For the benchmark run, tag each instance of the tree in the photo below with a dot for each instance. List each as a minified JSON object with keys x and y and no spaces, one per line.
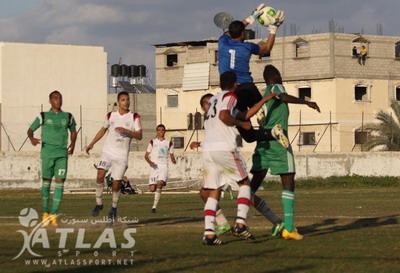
{"x":385,"y":134}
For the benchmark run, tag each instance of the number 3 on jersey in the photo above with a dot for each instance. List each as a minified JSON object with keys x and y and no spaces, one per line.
{"x":232,"y":62}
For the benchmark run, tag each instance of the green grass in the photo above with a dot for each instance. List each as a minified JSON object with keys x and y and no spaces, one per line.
{"x":347,"y":229}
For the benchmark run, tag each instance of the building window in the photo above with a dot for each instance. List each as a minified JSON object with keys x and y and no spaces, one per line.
{"x":179,"y":142}
{"x":305,"y":93}
{"x":307,"y":138}
{"x":302,"y":49}
{"x":190,"y":121}
{"x":397,"y":50}
{"x":198,"y":122}
{"x":361,"y":137}
{"x":216,"y":56}
{"x":360,"y":93}
{"x":172,"y":60}
{"x":172,"y":101}
{"x":397,"y":95}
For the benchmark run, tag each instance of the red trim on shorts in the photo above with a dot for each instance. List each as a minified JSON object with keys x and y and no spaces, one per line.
{"x":239,"y":166}
{"x":209,"y":212}
{"x":243,"y":201}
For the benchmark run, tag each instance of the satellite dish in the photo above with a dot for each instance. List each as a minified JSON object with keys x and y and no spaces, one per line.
{"x":223,"y":19}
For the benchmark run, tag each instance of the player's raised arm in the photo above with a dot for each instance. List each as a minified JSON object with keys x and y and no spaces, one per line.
{"x":246,"y":115}
{"x":291,"y":99}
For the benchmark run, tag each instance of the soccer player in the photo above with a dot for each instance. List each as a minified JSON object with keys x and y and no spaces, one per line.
{"x":54,"y":154}
{"x":221,"y":159}
{"x":222,"y":225}
{"x":271,"y":155}
{"x":157,"y":156}
{"x":234,"y":55}
{"x":122,"y":126}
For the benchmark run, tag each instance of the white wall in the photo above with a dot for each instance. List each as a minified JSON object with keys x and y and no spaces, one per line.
{"x":30,"y":72}
{"x":22,"y":169}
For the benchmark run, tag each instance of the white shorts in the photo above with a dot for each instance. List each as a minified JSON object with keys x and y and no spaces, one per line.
{"x":119,"y":165}
{"x":222,"y":167}
{"x":160,"y":173}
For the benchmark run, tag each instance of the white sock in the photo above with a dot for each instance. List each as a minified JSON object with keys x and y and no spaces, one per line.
{"x":157,"y":196}
{"x":220,"y":218}
{"x":115,"y":198}
{"x":209,"y":216}
{"x":99,"y":194}
{"x":243,"y":201}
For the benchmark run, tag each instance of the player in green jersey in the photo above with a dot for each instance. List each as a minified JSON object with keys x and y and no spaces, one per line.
{"x":54,"y":152}
{"x":272,"y":155}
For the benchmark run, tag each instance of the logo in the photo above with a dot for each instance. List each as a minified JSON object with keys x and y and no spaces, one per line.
{"x":38,"y":236}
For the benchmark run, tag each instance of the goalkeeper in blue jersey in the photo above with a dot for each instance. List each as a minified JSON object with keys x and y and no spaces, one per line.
{"x":234,"y":55}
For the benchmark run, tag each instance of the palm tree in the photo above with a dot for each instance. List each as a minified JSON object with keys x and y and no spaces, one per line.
{"x":385,"y":134}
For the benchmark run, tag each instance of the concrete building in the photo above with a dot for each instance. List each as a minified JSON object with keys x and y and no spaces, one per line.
{"x":317,"y":67}
{"x":29,"y":72}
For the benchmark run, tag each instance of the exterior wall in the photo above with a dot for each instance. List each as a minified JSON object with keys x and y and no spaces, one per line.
{"x":22,"y":169}
{"x":29,"y":72}
{"x":328,"y":68}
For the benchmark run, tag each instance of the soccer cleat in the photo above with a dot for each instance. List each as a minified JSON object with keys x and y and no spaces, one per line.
{"x":280,"y":136}
{"x":53,"y":220}
{"x":97,"y":210}
{"x":153,"y":210}
{"x":295,"y":235}
{"x":112,"y":214}
{"x":277,"y":229}
{"x":214,"y":241}
{"x":260,"y":117}
{"x":242,"y":232}
{"x":45,"y":219}
{"x":219,"y":230}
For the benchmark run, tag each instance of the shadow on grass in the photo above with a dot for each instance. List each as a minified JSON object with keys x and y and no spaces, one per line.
{"x":331,"y":227}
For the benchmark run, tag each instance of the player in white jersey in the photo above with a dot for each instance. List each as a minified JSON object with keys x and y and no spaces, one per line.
{"x":221,"y":159}
{"x":122,"y":126}
{"x":157,"y":154}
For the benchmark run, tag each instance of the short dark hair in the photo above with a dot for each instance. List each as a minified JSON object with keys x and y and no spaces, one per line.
{"x":227,"y":80}
{"x":208,"y":95}
{"x":54,"y":92}
{"x":272,"y":75}
{"x":236,"y":28}
{"x":123,"y":93}
{"x":160,"y":126}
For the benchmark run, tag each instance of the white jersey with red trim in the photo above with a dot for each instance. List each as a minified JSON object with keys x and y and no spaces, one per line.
{"x":219,"y":136}
{"x":159,"y":150}
{"x":117,"y":144}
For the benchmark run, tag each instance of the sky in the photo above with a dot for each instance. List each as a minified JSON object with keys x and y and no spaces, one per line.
{"x":129,"y":29}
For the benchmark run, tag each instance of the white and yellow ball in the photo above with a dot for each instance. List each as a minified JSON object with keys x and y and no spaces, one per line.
{"x":265,"y":18}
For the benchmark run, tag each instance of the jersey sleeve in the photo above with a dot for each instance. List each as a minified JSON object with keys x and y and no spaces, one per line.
{"x":106,"y":122}
{"x":72,"y":124}
{"x":137,"y":122}
{"x":229,"y":101}
{"x":36,"y":123}
{"x":254,"y":48}
{"x":278,"y":88}
{"x":150,"y":146}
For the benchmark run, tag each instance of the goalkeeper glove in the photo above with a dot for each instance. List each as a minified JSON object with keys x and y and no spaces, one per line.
{"x":276,"y":21}
{"x":256,"y":13}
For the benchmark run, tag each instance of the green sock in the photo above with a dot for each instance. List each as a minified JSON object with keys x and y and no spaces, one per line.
{"x":45,"y":196}
{"x":57,"y":196}
{"x":288,"y":208}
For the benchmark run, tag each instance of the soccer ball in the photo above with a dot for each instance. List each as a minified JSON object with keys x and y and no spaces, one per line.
{"x":264,"y":19}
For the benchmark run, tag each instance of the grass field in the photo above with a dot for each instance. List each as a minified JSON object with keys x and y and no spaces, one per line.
{"x":348,"y":227}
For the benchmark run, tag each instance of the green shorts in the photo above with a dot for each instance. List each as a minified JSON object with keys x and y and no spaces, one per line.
{"x":273,"y":156}
{"x":56,"y":167}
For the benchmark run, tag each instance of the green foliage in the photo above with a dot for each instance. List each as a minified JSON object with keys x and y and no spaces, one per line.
{"x":385,"y":134}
